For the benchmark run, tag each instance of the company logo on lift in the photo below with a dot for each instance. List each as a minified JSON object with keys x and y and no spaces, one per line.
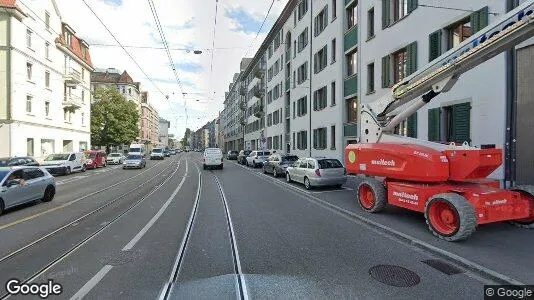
{"x":422,"y":154}
{"x":383,"y":162}
{"x":496,"y":202}
{"x":406,"y":195}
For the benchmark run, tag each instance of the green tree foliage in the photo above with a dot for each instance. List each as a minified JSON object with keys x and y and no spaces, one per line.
{"x":114,"y":120}
{"x":185,"y":139}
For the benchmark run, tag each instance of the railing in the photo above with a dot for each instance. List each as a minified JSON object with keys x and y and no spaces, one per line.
{"x":350,"y":86}
{"x":72,"y":101}
{"x":351,"y":38}
{"x":72,"y":76}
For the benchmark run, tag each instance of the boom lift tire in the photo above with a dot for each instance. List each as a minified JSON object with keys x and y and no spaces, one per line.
{"x":372,"y":195}
{"x":450,"y":217}
{"x":529,"y":190}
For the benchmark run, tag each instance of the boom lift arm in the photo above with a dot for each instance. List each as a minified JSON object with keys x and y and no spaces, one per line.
{"x":379,"y":118}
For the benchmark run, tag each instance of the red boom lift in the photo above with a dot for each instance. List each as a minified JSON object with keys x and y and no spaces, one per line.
{"x":446,"y":182}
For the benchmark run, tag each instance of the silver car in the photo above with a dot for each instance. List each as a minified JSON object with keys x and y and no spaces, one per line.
{"x":317,"y":171}
{"x":115,"y":158}
{"x":19,"y":185}
{"x":134,"y":161}
{"x":257,"y":158}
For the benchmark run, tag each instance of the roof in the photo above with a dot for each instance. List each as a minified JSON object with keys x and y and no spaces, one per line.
{"x":113,"y":76}
{"x":11,"y":4}
{"x":75,"y":46}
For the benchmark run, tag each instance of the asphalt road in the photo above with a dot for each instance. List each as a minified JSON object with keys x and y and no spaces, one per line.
{"x":174,"y":231}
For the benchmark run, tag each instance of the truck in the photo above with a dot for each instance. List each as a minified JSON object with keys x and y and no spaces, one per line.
{"x":137,"y":149}
{"x":448,"y":183}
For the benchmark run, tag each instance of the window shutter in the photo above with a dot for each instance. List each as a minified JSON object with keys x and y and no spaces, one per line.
{"x":412,"y":58}
{"x":386,"y":7}
{"x":479,"y":19}
{"x":412,"y":5}
{"x":412,"y":126}
{"x":434,"y":41}
{"x":434,"y":124}
{"x":461,"y":123}
{"x":386,"y":71}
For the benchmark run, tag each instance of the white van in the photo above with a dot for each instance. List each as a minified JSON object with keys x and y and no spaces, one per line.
{"x":213,"y":158}
{"x":137,"y":149}
{"x":65,"y":163}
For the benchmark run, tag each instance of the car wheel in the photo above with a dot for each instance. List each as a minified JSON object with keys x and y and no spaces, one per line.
{"x":203,"y":167}
{"x":84,"y":168}
{"x":49,"y":193}
{"x":221,"y":167}
{"x":1,"y":206}
{"x":274,"y":173}
{"x":68,"y":171}
{"x":307,"y":184}
{"x":288,"y":178}
{"x":264,"y":170}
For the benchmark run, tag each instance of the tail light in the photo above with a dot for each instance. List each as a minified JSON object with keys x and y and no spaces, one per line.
{"x":318,"y":172}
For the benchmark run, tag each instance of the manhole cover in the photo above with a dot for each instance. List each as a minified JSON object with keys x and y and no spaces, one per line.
{"x":394,"y":275}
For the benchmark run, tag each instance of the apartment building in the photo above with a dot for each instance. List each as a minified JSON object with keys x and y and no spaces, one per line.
{"x":163,"y":128}
{"x":474,"y":111}
{"x":149,"y":122}
{"x":45,"y":78}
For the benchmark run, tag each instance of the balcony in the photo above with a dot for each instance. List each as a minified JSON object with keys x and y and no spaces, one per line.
{"x":258,"y":92}
{"x":351,"y":38}
{"x":258,"y":73}
{"x":288,"y":84}
{"x":72,"y":77}
{"x":258,"y":110}
{"x":350,"y":86}
{"x":350,"y":129}
{"x":288,"y":112}
{"x":72,"y":102}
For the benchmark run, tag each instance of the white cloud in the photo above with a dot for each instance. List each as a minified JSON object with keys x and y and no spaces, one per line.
{"x":185,"y":23}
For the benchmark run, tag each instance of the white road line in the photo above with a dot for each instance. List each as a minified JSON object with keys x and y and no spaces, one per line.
{"x":91,"y":283}
{"x":143,"y":231}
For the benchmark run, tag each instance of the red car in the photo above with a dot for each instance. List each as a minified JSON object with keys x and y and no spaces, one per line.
{"x":95,"y":159}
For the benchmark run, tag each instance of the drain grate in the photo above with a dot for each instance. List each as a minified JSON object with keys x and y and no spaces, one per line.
{"x":443,"y":266}
{"x":394,"y":275}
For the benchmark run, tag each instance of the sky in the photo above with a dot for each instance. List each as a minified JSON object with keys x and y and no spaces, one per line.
{"x":188,"y":25}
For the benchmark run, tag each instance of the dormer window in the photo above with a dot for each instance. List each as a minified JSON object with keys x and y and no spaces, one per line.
{"x":67,"y":37}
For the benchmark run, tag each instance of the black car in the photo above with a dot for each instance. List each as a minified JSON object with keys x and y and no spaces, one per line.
{"x":232,"y":155}
{"x":167,"y":153}
{"x":18,"y":161}
{"x":277,"y":163}
{"x":242,"y":157}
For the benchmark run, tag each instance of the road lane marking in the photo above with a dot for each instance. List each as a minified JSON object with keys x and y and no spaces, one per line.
{"x":393,"y":234}
{"x":143,"y":231}
{"x":91,"y":283}
{"x":72,"y":201}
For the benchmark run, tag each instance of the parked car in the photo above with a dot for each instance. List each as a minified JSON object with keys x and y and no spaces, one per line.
{"x":242,"y":157}
{"x":278,"y":163}
{"x":256,"y":158}
{"x":115,"y":158}
{"x":172,"y":152}
{"x":95,"y":159}
{"x":22,"y":184}
{"x":157,"y":153}
{"x":18,"y":161}
{"x":134,"y":161}
{"x":166,"y":153}
{"x":232,"y":155}
{"x":317,"y":172}
{"x":64,"y":163}
{"x":213,"y":157}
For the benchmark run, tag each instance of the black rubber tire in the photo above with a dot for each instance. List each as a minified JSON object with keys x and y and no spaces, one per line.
{"x":379,"y":191}
{"x":2,"y":207}
{"x":221,"y":167}
{"x":203,"y":167}
{"x":49,"y":194}
{"x":465,"y":214}
{"x":288,"y":178}
{"x":84,"y":168}
{"x":529,"y":190}
{"x":275,"y":174}
{"x":307,"y":183}
{"x":264,"y":170}
{"x":68,"y":171}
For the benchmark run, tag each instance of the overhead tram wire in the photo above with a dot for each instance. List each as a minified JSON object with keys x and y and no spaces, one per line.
{"x":123,"y":48}
{"x":213,"y":42}
{"x":261,"y":27}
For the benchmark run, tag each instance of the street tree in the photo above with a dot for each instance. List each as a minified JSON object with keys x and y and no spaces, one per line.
{"x":185,"y":139}
{"x":114,"y":120}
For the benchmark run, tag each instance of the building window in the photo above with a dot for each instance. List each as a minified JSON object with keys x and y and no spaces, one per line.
{"x":352,"y":63}
{"x":458,"y":33}
{"x":28,"y":38}
{"x":320,"y":60}
{"x":333,"y":137}
{"x":47,"y":79}
{"x":400,"y":65}
{"x":320,"y":99}
{"x":47,"y":21}
{"x":276,"y":142}
{"x":397,"y":66}
{"x":333,"y":52}
{"x":294,"y":146}
{"x":302,"y":73}
{"x":83,"y":119}
{"x":270,"y":51}
{"x":303,"y":40}
{"x":456,"y":120}
{"x":334,"y":9}
{"x":294,"y":110}
{"x":394,"y":10}
{"x":47,"y":50}
{"x":302,"y":106}
{"x":47,"y":109}
{"x":319,"y":138}
{"x":277,"y":41}
{"x":302,"y":140}
{"x":370,"y":78}
{"x":333,"y":93}
{"x":321,"y":21}
{"x":269,"y":143}
{"x":352,"y":110}
{"x":352,"y":16}
{"x":129,"y":91}
{"x":400,"y":9}
{"x":83,"y":96}
{"x":29,"y":100}
{"x":29,"y":67}
{"x":302,"y":8}
{"x":295,"y":18}
{"x":371,"y":23}
{"x":29,"y":147}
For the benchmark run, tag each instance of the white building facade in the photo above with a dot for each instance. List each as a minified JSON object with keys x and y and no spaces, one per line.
{"x":45,"y":77}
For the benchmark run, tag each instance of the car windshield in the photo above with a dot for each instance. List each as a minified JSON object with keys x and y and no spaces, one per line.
{"x":289,"y":159}
{"x":134,"y":157}
{"x":156,"y":150}
{"x":213,"y":151}
{"x":329,"y":164}
{"x":115,"y":155}
{"x":234,"y":152}
{"x":54,"y":157}
{"x":264,"y":153}
{"x":247,"y":152}
{"x":3,"y":174}
{"x":135,"y":150}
